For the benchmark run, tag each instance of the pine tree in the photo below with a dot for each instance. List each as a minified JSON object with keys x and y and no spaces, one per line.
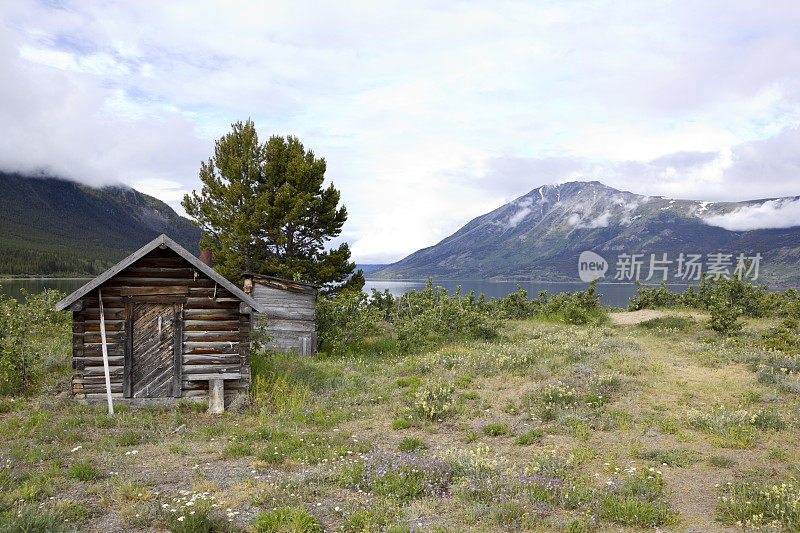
{"x":263,"y":209}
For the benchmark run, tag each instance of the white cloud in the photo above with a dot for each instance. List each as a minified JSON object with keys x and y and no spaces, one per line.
{"x":428,"y":114}
{"x":768,"y":215}
{"x":600,"y":221}
{"x":519,"y":216}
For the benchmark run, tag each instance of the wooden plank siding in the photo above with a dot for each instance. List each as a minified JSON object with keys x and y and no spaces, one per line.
{"x":290,"y":313}
{"x":213,"y":335}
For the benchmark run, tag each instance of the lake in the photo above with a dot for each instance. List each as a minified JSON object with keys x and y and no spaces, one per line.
{"x":614,"y":294}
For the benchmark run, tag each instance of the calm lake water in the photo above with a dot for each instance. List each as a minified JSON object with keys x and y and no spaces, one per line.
{"x":614,"y":294}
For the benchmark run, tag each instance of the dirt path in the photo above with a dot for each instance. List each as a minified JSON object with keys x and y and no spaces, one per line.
{"x":635,"y":317}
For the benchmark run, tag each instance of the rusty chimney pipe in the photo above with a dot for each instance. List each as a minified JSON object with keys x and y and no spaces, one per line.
{"x":205,"y":257}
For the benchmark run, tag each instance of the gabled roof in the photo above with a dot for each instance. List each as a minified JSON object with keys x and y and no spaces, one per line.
{"x":276,"y":278}
{"x":300,"y":287}
{"x":161,"y":240}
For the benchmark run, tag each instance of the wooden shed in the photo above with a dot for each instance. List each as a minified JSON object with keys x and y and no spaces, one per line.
{"x":289,"y":311}
{"x":174,"y":329}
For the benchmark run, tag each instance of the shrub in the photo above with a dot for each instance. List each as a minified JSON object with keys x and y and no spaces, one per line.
{"x":34,"y":341}
{"x":647,"y":297}
{"x":433,"y":314}
{"x":724,"y":317}
{"x":286,"y":520}
{"x":346,"y":320}
{"x":579,"y":308}
{"x":434,"y":401}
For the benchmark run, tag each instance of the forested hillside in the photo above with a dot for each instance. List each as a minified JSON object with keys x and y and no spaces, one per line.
{"x":55,"y":227}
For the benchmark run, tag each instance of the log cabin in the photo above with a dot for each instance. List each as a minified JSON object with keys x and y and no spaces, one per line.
{"x":174,"y":328}
{"x":289,"y":315}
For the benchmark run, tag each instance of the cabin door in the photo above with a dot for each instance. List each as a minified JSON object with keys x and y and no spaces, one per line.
{"x":155,"y":331}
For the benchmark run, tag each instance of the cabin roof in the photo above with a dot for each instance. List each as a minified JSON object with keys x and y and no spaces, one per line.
{"x":276,"y":278}
{"x":160,"y":241}
{"x":283,"y":284}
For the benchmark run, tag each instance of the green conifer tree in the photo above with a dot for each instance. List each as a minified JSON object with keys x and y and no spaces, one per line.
{"x":263,"y":209}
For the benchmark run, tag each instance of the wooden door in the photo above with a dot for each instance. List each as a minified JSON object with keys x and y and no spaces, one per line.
{"x":155,"y":353}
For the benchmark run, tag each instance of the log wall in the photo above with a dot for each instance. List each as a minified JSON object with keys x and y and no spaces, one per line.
{"x":290,"y":316}
{"x":214,"y":338}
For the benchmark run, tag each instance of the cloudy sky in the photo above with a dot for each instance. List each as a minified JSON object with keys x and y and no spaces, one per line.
{"x":429,"y":113}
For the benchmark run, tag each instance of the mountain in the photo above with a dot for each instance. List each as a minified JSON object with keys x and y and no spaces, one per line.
{"x":51,"y":226}
{"x":369,"y":267}
{"x":540,"y":235}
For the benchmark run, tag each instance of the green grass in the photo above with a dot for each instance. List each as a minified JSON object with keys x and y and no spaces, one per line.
{"x":532,"y":436}
{"x":83,"y":471}
{"x":28,"y":520}
{"x":286,"y":520}
{"x":753,"y":506}
{"x":495,"y":430}
{"x":678,"y":457}
{"x":237,"y":450}
{"x":400,"y":424}
{"x":411,"y":444}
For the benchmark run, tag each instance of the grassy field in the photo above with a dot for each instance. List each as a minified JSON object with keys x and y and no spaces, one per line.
{"x":549,"y":426}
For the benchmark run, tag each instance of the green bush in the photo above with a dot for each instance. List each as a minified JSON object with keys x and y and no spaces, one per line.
{"x":34,"y":341}
{"x":724,"y":316}
{"x":286,"y":520}
{"x":345,"y":320}
{"x":433,"y":315}
{"x":579,"y":308}
{"x":647,"y":297}
{"x":726,"y":299}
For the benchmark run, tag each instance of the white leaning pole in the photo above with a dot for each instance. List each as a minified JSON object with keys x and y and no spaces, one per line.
{"x":105,"y":353}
